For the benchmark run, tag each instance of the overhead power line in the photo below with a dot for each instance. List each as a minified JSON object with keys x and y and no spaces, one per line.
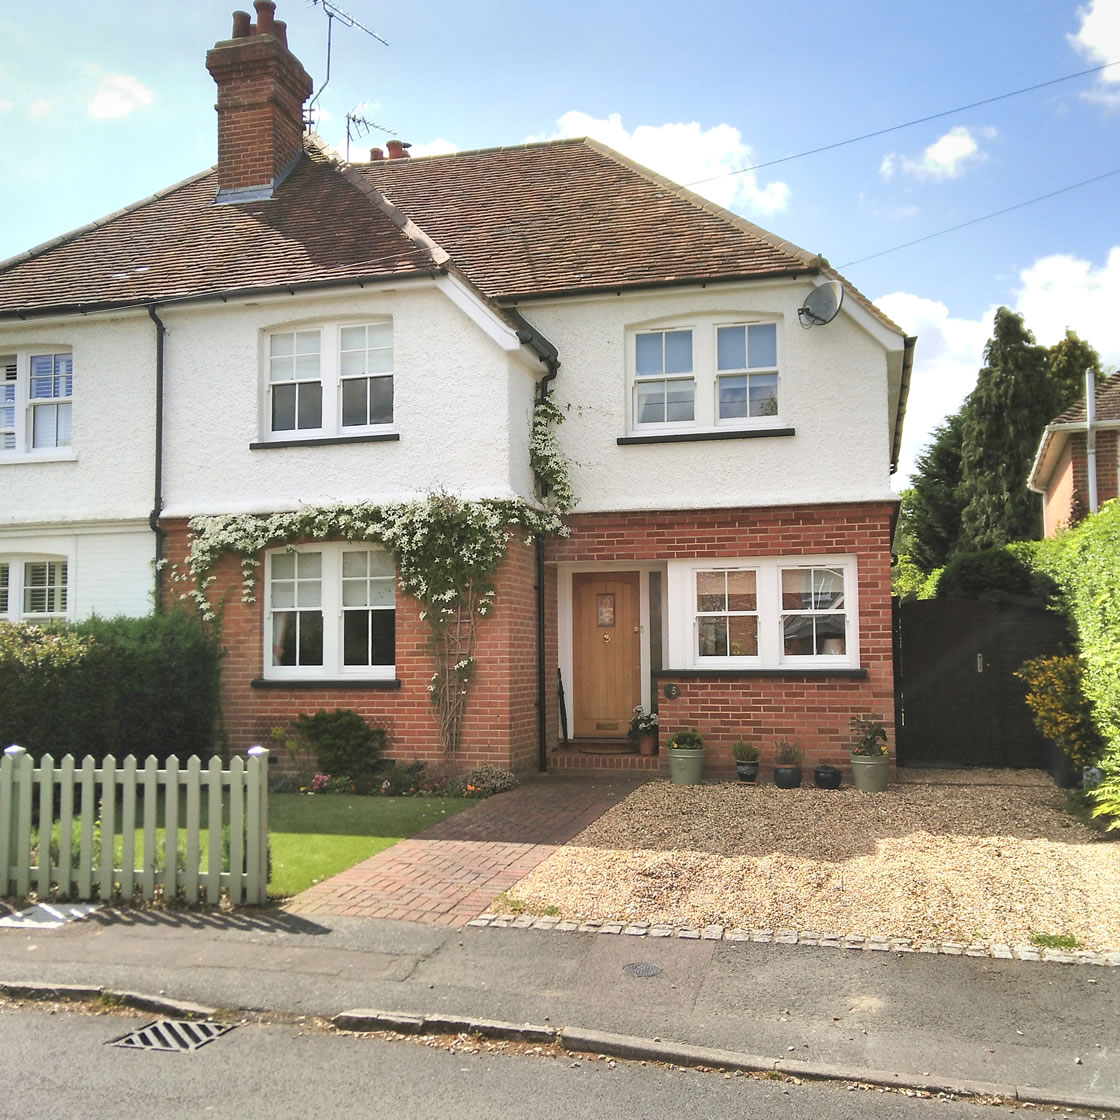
{"x":983,"y":218}
{"x":907,"y":124}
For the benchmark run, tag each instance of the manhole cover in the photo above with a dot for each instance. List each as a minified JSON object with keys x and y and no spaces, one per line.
{"x":175,"y":1035}
{"x":642,"y":968}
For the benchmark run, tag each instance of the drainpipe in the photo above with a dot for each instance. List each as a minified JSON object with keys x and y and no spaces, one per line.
{"x":553,"y":364}
{"x":157,"y":502}
{"x":1091,"y":436}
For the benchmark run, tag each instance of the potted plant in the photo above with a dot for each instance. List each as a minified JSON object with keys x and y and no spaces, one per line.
{"x":746,"y":761}
{"x":686,"y":757}
{"x":869,"y":754}
{"x":787,"y":764}
{"x":643,"y":730}
{"x":826,"y":776}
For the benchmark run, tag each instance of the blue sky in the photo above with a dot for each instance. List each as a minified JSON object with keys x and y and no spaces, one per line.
{"x":105,"y":103}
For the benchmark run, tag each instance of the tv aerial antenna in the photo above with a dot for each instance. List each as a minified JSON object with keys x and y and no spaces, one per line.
{"x":357,"y":124}
{"x":821,"y":305}
{"x":332,"y":11}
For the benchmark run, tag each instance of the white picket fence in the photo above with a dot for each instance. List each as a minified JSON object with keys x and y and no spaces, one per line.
{"x":105,"y":813}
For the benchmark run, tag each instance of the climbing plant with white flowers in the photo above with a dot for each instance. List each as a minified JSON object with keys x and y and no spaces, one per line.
{"x":447,"y":550}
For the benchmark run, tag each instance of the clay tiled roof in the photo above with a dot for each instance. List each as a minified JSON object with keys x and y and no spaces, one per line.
{"x":1108,"y":404}
{"x":573,"y":215}
{"x":179,"y":244}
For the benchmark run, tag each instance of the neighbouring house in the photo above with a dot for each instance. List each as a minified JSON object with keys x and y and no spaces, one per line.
{"x":1077,"y":466}
{"x":288,"y":331}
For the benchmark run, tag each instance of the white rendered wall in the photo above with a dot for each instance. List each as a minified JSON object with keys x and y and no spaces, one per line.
{"x":107,"y":474}
{"x":109,"y":567}
{"x":833,"y":392}
{"x":462,"y":408}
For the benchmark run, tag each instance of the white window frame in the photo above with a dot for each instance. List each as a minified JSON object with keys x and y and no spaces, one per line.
{"x":682,"y":614}
{"x":331,"y":379}
{"x":18,"y":406}
{"x":16,"y":581}
{"x":332,"y":608}
{"x":705,"y":375}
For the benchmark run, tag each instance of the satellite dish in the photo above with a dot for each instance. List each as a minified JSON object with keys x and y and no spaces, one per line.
{"x":822,"y":304}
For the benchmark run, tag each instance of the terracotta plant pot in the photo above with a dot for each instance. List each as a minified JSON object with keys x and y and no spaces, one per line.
{"x":647,"y":743}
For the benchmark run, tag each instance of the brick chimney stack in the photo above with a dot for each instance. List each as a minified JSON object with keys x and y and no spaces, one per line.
{"x":261,"y":91}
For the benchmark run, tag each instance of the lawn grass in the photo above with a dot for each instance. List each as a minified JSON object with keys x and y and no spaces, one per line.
{"x":315,"y":837}
{"x":311,"y":837}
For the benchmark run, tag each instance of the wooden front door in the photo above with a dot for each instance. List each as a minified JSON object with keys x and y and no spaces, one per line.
{"x":606,"y":653}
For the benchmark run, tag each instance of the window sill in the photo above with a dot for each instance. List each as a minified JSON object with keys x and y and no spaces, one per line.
{"x":334,"y":683}
{"x":39,"y":457}
{"x":715,"y":433}
{"x":735,"y":674}
{"x":322,"y":441}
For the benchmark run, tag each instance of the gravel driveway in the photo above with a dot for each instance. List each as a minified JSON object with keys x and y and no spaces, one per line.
{"x":985,"y":856}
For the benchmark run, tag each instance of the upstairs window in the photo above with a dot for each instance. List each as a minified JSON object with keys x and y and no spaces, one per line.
{"x":330,"y":380}
{"x":33,"y":589}
{"x":705,"y":376}
{"x":36,"y":403}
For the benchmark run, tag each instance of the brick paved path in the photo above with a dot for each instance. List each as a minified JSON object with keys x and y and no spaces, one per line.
{"x":450,"y":873}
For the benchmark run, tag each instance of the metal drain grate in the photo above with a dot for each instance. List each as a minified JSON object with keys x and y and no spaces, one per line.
{"x":642,"y":968}
{"x":173,"y":1035}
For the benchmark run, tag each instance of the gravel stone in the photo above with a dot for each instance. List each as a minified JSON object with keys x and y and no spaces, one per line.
{"x":974,"y":859}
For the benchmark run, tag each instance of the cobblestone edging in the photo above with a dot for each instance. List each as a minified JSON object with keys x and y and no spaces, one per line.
{"x":799,"y":937}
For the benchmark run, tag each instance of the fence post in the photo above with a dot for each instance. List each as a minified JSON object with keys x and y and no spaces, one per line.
{"x":19,"y":830}
{"x":257,"y":826}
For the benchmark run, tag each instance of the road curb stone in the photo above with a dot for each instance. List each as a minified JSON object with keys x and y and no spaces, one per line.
{"x":856,"y":942}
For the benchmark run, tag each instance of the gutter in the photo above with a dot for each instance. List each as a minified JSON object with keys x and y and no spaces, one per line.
{"x":224,"y":296}
{"x":157,"y":498}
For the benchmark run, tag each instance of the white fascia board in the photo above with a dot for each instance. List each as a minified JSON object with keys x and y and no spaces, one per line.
{"x":480,"y":313}
{"x":70,"y":528}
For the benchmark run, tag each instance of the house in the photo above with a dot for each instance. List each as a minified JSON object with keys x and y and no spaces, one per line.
{"x":286,"y":332}
{"x":1077,"y":466}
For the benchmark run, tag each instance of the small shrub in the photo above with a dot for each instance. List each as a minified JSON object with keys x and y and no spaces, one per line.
{"x":332,"y":783}
{"x":869,"y":736}
{"x":787,"y":753}
{"x":1055,"y":941}
{"x":484,"y":781}
{"x":1007,"y":570}
{"x":687,"y":739}
{"x":1062,"y":713}
{"x":744,"y":752}
{"x":342,"y":741}
{"x":1106,"y":794}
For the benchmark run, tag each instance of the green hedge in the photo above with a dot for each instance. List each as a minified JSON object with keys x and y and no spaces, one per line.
{"x":117,"y":686}
{"x":1085,"y":563}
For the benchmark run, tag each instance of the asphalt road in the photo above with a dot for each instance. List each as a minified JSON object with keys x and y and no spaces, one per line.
{"x":58,"y":1066}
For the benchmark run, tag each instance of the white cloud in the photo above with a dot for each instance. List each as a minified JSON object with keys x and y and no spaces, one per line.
{"x":1054,"y":293}
{"x":41,"y":108}
{"x":1098,"y":39}
{"x":434,"y":148}
{"x":946,"y":158}
{"x":685,"y":153}
{"x":5,"y":105}
{"x":117,"y":96}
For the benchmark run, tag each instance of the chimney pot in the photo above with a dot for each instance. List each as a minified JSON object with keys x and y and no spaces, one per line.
{"x":376,"y":154}
{"x":398,"y":149}
{"x":242,"y":23}
{"x":266,"y":11}
{"x":280,"y":30}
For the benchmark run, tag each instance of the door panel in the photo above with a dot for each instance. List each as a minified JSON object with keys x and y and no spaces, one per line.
{"x":606,"y":648}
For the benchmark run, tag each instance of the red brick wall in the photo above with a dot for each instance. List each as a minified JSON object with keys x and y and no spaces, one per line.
{"x":813,"y":709}
{"x":500,"y":724}
{"x":1055,"y":504}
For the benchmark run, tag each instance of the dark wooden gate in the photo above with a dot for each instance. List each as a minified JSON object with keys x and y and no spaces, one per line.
{"x":959,"y":703}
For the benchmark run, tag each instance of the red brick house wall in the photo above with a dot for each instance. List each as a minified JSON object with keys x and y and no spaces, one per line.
{"x":500,"y":724}
{"x":1070,"y":478}
{"x":812,"y":707}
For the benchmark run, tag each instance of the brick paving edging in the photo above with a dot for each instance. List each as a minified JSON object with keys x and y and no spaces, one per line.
{"x":796,"y":937}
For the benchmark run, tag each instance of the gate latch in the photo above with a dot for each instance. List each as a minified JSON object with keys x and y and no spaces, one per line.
{"x":979,"y":662}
